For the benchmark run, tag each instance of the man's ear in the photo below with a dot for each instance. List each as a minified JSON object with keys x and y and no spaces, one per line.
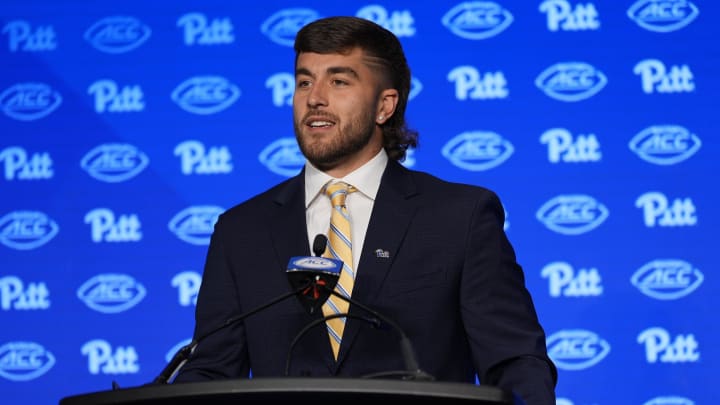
{"x":388,"y":100}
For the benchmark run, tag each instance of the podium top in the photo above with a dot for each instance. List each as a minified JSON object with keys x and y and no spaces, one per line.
{"x":317,"y":390}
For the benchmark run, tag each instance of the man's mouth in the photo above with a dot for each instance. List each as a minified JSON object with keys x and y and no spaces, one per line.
{"x":319,"y":124}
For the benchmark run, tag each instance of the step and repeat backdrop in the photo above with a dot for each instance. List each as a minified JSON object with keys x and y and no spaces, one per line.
{"x":126,"y":127}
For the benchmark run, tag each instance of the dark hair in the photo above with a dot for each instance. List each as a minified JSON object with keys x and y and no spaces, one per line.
{"x":342,"y":34}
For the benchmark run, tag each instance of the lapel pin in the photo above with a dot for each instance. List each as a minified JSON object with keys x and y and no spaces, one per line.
{"x":382,"y":253}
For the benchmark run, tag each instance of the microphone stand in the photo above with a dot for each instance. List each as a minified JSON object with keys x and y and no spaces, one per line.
{"x":182,"y":355}
{"x":412,"y":369}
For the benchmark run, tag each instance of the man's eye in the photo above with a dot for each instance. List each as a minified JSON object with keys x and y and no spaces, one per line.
{"x":338,"y":82}
{"x":303,"y":83}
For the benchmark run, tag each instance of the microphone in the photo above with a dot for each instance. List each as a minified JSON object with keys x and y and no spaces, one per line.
{"x":322,"y":277}
{"x":314,"y":276}
{"x":307,"y":275}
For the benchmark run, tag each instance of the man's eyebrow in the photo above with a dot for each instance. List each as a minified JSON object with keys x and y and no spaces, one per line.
{"x":343,"y":69}
{"x":330,"y":70}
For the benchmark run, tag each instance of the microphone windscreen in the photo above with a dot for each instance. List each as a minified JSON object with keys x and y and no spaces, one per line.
{"x":319,"y":244}
{"x":314,"y":278}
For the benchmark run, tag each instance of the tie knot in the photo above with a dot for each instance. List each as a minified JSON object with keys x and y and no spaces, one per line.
{"x":337,"y":193}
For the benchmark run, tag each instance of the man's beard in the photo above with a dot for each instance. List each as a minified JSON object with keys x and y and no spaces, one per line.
{"x":349,"y":140}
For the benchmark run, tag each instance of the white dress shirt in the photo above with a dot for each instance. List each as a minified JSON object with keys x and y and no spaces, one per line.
{"x":366,"y":179}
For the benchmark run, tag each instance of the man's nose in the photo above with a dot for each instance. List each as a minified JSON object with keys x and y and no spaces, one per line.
{"x":317,"y":96}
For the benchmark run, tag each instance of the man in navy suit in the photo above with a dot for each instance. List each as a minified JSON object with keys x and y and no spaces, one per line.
{"x":429,"y":254}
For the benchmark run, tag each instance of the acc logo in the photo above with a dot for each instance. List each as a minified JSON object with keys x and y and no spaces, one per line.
{"x":195,"y":224}
{"x":415,"y":88}
{"x":667,"y":279}
{"x":205,"y":94}
{"x":663,"y":16}
{"x":111,"y":293}
{"x":477,"y":19}
{"x":283,"y":157}
{"x":576,"y":349}
{"x":24,"y":361}
{"x":315,"y":263}
{"x":665,"y":144}
{"x":282,"y":27}
{"x":571,"y":81}
{"x":173,"y":350}
{"x":117,"y":34}
{"x":114,"y":162}
{"x":572,"y":214}
{"x":25,"y":230}
{"x":670,"y":400}
{"x":29,"y":101}
{"x":477,"y":150}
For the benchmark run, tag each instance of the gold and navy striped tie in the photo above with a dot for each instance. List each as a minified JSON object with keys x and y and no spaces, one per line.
{"x":339,"y":247}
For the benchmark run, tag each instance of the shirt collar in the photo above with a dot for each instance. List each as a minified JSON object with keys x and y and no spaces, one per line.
{"x":366,"y":178}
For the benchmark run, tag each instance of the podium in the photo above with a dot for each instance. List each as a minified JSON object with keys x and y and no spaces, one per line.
{"x":297,"y":390}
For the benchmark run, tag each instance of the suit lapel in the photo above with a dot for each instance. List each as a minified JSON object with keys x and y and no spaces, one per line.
{"x":392,"y":212}
{"x":287,"y":223}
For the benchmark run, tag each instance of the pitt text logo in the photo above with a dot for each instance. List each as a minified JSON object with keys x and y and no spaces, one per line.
{"x":470,"y":83}
{"x":576,"y":349}
{"x":198,"y":30}
{"x":29,"y":101}
{"x":410,"y":159}
{"x":282,"y":86}
{"x":562,"y":147}
{"x":195,"y":159}
{"x":18,"y":165}
{"x":572,"y":214}
{"x":571,"y":81}
{"x":22,"y":37}
{"x":657,"y":210}
{"x":665,"y":144}
{"x":655,"y":76}
{"x":104,"y":227}
{"x":111,"y":98}
{"x":195,"y":224}
{"x":117,"y":34}
{"x":14,"y":295}
{"x":283,"y":157}
{"x":282,"y":26}
{"x":103,"y":359}
{"x":477,"y":150}
{"x":562,"y":16}
{"x":188,"y":285}
{"x":111,"y":293}
{"x":667,"y":279}
{"x":205,"y":95}
{"x":563,"y":281}
{"x":660,"y":347}
{"x":24,"y":361}
{"x":399,"y":22}
{"x":114,"y":162}
{"x":663,"y":15}
{"x":25,"y":230}
{"x":477,"y":19}
{"x":669,"y":400}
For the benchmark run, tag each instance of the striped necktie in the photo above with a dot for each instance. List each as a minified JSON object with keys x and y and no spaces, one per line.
{"x":339,"y":247}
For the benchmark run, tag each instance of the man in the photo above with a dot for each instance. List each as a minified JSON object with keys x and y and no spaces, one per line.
{"x":428,"y":254}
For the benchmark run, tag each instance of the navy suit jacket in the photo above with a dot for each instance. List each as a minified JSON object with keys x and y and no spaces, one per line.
{"x":435,"y":259}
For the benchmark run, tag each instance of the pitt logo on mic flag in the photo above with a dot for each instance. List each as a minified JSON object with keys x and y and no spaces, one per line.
{"x":339,"y":247}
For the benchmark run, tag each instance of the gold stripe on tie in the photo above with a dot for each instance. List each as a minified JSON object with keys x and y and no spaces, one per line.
{"x":339,"y":247}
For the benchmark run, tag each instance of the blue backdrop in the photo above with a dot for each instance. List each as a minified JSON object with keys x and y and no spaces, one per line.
{"x":127,"y":126}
